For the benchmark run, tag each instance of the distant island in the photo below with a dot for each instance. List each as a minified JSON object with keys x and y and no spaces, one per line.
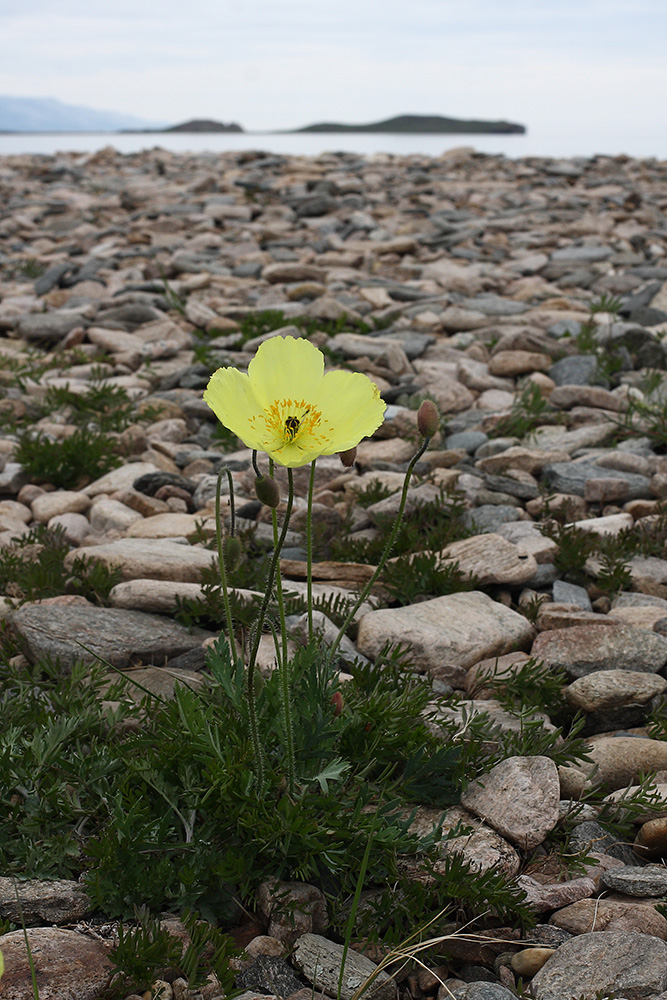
{"x":434,"y":124}
{"x":203,"y":125}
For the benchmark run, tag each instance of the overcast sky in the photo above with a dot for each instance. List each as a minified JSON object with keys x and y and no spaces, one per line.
{"x":286,"y":63}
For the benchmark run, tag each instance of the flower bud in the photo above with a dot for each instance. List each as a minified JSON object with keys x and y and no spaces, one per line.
{"x":337,"y":702}
{"x":231,"y":550}
{"x":267,"y":491}
{"x":347,"y":457}
{"x":428,"y":419}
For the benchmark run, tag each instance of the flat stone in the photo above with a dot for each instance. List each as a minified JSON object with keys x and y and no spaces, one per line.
{"x":490,"y":559}
{"x":583,"y":649}
{"x":555,"y":895}
{"x":571,"y":477}
{"x":320,"y":961}
{"x":167,"y":526}
{"x":518,"y":798}
{"x":50,"y":327}
{"x":617,"y":761}
{"x":56,"y":901}
{"x":613,"y":689}
{"x":49,"y":505}
{"x":67,"y":965}
{"x":648,"y":881}
{"x":159,"y":596}
{"x":117,"y":636}
{"x":614,"y":962}
{"x":151,"y":558}
{"x":107,"y":514}
{"x":513,"y":363}
{"x":121,"y":478}
{"x":603,"y":914}
{"x":448,"y":634}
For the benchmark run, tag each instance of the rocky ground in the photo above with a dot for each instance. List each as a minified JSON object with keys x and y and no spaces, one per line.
{"x":474,"y":276}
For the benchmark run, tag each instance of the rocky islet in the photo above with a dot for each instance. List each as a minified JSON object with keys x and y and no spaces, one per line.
{"x":474,"y":275}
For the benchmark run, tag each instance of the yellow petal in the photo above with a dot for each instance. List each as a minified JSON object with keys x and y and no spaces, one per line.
{"x":285,"y":368}
{"x":351,"y":404}
{"x":230,"y":396}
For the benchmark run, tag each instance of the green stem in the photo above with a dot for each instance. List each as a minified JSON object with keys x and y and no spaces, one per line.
{"x":273,"y":565}
{"x":279,"y":579}
{"x":283,"y":666}
{"x":309,"y":551}
{"x":221,"y":554}
{"x":385,"y":553}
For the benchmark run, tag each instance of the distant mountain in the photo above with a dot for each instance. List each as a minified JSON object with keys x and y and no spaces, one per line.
{"x":434,"y":124}
{"x":44,"y":114}
{"x":203,"y":125}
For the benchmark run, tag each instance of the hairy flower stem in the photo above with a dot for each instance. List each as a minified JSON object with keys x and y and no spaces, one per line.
{"x":385,"y":553}
{"x":221,"y":555}
{"x":309,"y":551}
{"x":259,"y":625}
{"x":283,"y":666}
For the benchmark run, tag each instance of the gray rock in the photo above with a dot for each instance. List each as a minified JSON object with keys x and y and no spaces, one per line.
{"x":582,"y":649}
{"x":581,"y":255}
{"x":150,"y":558}
{"x":571,"y":477}
{"x":269,"y":974}
{"x":51,"y":277}
{"x":67,"y":964}
{"x":489,"y":517}
{"x":50,"y":327}
{"x":482,"y":991}
{"x":56,"y":901}
{"x":470,"y":440}
{"x":579,"y":369}
{"x":625,"y":964}
{"x":635,"y":881}
{"x":117,"y":636}
{"x":448,"y":634}
{"x":590,"y":836}
{"x":519,"y":798}
{"x":320,"y":961}
{"x":571,"y":593}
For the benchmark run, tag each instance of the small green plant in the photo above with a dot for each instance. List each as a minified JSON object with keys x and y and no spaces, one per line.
{"x":147,"y":950}
{"x":69,"y":463}
{"x":608,"y":360}
{"x":531,"y":685}
{"x":529,"y":411}
{"x":34,"y":568}
{"x":412,"y":578}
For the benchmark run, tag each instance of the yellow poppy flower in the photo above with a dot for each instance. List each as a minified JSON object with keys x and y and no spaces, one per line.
{"x":287,"y":407}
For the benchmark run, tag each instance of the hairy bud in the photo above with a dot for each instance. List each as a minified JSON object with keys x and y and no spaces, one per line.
{"x":428,"y":419}
{"x":347,"y":457}
{"x":231,"y":550}
{"x":267,"y":491}
{"x":337,"y":702}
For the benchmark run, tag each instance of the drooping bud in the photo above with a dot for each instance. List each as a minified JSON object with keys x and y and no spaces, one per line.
{"x":231,"y":550}
{"x":337,"y":702}
{"x":347,"y":457}
{"x":428,"y":419}
{"x":267,"y":491}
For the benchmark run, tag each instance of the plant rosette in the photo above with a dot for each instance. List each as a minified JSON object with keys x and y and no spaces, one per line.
{"x":289,"y":408}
